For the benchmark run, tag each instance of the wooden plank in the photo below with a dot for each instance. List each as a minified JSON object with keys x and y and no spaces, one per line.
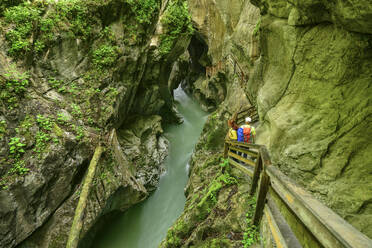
{"x":77,"y":223}
{"x":256,"y":174}
{"x":244,"y":169}
{"x":285,"y":230}
{"x":247,"y":161}
{"x":264,"y":186}
{"x":328,"y":227}
{"x":246,"y":151}
{"x":244,"y":144}
{"x":275,"y":231}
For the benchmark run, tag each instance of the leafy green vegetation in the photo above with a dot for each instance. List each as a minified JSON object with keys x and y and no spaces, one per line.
{"x":210,"y":197}
{"x":23,"y":17}
{"x":251,"y":234}
{"x":19,"y":168}
{"x":257,"y":28}
{"x":144,"y":10}
{"x":105,"y":56}
{"x":42,"y":138}
{"x":16,"y":147}
{"x":177,"y":21}
{"x":13,"y":87}
{"x":43,"y":135}
{"x":32,"y":28}
{"x":62,"y":119}
{"x":44,"y":122}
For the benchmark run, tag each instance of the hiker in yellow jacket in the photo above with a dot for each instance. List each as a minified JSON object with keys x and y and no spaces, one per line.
{"x":231,"y":134}
{"x":249,"y":131}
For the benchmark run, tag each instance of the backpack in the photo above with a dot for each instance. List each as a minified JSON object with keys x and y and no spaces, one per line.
{"x":247,"y":133}
{"x":240,"y":135}
{"x":232,"y":134}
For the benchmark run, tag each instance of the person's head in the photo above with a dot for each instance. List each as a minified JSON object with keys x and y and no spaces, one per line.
{"x":235,"y":126}
{"x":230,"y":123}
{"x":248,"y":120}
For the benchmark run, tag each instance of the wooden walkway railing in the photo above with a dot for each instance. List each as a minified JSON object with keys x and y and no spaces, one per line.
{"x":251,"y":112}
{"x":294,"y":217}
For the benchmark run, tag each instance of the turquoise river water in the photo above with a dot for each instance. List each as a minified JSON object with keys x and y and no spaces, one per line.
{"x":145,"y":225}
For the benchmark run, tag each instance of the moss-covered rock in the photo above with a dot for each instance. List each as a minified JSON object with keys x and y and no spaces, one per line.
{"x":70,"y":72}
{"x":313,"y":96}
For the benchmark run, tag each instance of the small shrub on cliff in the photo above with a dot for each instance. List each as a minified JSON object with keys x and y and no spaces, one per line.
{"x":251,"y":234}
{"x":19,"y":168}
{"x":144,"y":9}
{"x":105,"y":56}
{"x":177,"y":21}
{"x":16,"y":147}
{"x":13,"y":87}
{"x":22,"y":18}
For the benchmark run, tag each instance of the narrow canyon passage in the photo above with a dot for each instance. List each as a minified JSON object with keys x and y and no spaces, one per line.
{"x":146,"y":224}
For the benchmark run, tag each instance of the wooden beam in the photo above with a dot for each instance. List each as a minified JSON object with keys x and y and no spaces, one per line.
{"x":256,"y":174}
{"x":244,"y":169}
{"x":275,"y":231}
{"x":246,"y":151}
{"x":264,"y":186}
{"x":247,"y":161}
{"x":285,"y":230}
{"x":74,"y":236}
{"x":244,"y":144}
{"x":329,"y":228}
{"x":226,"y":150}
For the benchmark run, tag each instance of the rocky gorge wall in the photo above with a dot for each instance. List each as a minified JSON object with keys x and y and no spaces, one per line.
{"x":308,"y":72}
{"x":71,"y":73}
{"x":313,"y":82}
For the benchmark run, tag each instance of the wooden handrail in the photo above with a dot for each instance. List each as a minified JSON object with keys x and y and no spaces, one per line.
{"x":323,"y":227}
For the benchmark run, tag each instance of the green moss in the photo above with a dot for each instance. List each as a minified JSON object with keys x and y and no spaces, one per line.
{"x":215,"y":243}
{"x":257,"y":28}
{"x":210,"y":197}
{"x":57,"y":130}
{"x":177,"y":22}
{"x":3,"y":126}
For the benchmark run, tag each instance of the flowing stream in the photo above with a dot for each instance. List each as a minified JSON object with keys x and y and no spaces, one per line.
{"x":145,"y":225}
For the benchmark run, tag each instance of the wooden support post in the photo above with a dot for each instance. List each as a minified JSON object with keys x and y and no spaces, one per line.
{"x":73,"y":238}
{"x":226,"y":150}
{"x":261,"y":199}
{"x":256,"y":175}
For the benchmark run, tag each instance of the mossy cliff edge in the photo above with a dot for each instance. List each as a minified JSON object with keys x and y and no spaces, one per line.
{"x":308,"y":72}
{"x":70,"y":73}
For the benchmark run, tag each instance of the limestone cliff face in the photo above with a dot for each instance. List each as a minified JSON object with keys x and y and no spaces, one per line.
{"x":314,"y":98}
{"x":70,"y":73}
{"x":307,"y":67}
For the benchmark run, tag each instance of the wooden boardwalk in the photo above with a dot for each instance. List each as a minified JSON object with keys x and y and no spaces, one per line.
{"x":292,"y":215}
